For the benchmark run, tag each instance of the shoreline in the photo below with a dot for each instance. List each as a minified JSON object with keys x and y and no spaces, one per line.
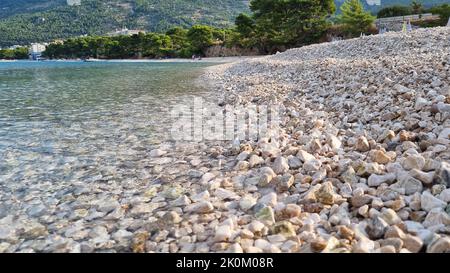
{"x":361,"y":164}
{"x":174,"y":60}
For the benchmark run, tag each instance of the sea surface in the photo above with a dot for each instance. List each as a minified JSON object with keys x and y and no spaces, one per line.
{"x":78,"y":121}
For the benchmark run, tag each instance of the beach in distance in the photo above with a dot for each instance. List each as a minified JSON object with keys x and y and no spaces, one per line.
{"x":166,"y":60}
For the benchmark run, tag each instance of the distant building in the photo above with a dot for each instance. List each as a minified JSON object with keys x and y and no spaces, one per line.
{"x":373,"y":2}
{"x":35,"y":51}
{"x":126,"y":32}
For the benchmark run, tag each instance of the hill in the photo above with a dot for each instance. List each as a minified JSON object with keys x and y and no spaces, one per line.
{"x":12,"y":7}
{"x":25,"y":21}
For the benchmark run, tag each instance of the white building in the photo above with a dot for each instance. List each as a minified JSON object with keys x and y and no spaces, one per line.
{"x":126,"y":32}
{"x":36,"y":51}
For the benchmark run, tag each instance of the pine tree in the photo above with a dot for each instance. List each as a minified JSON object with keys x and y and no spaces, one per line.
{"x":416,"y":7}
{"x":280,"y":24}
{"x":354,"y":18}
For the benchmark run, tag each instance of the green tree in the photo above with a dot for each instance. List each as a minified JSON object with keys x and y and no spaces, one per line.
{"x":280,"y":24}
{"x":21,"y":53}
{"x":181,"y":47}
{"x":231,"y":38}
{"x":417,"y":7}
{"x":244,"y":31}
{"x":201,"y":37}
{"x":394,"y":11}
{"x":156,"y":45}
{"x":444,"y":13}
{"x":7,"y":54}
{"x":244,"y":24}
{"x":354,"y":18}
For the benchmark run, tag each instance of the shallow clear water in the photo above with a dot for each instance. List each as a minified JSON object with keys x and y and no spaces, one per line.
{"x":66,"y":121}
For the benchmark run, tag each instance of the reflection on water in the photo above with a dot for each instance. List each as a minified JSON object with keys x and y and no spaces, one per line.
{"x":66,"y":121}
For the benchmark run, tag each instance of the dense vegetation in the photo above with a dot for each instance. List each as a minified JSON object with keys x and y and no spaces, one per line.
{"x":277,"y":25}
{"x":12,"y":7}
{"x":14,"y":54}
{"x":176,"y":42}
{"x":443,"y":11}
{"x":95,"y":17}
{"x":274,"y":25}
{"x":394,"y":11}
{"x":354,"y":18}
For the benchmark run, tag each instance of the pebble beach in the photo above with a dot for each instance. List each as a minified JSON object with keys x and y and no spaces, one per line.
{"x":361,"y":164}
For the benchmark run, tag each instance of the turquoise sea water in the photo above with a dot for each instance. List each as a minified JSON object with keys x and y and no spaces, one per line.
{"x":74,"y":120}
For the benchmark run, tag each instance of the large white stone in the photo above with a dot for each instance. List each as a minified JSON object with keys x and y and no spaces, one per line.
{"x":223,"y":233}
{"x":445,"y":134}
{"x":445,"y":195}
{"x":305,"y":156}
{"x":376,"y":180}
{"x":281,"y":165}
{"x":269,"y":199}
{"x":429,"y":202}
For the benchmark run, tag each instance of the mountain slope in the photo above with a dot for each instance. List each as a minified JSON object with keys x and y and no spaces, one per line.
{"x":48,"y":20}
{"x":11,"y":7}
